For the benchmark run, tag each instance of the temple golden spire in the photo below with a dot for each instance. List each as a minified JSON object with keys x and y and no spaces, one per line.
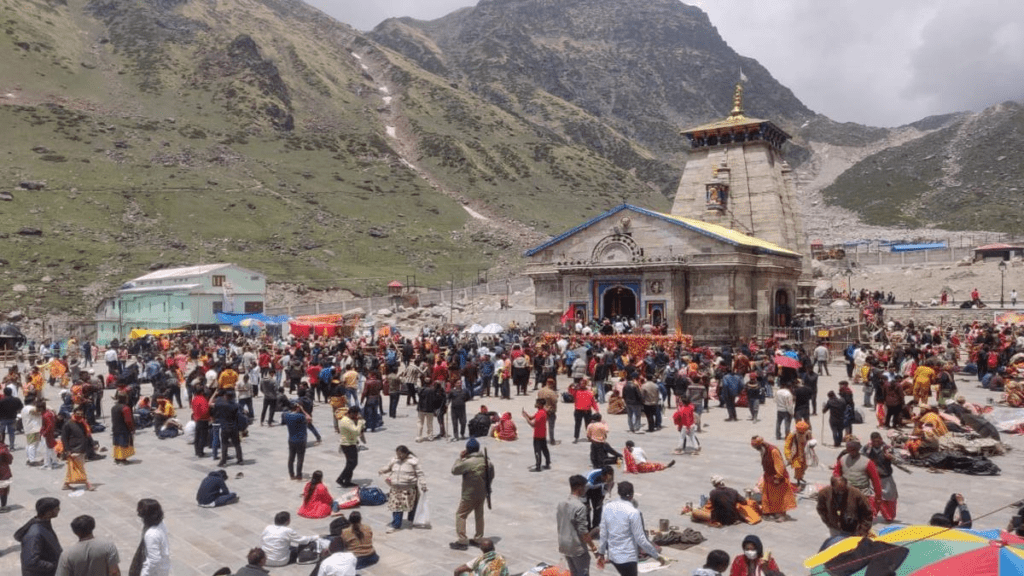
{"x":737,"y":102}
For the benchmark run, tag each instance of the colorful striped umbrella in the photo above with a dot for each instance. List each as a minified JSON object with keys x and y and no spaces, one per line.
{"x":934,"y":551}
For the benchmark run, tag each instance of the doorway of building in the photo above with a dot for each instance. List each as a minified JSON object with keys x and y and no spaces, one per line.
{"x":619,"y":301}
{"x":783,"y":311}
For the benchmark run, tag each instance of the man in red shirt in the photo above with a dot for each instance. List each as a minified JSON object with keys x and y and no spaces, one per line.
{"x":539,"y":421}
{"x":583,"y":404}
{"x":201,"y":416}
{"x":313,"y":374}
{"x":686,"y":425}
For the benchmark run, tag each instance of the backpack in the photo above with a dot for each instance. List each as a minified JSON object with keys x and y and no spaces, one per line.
{"x":372,"y":496}
{"x":519,"y":362}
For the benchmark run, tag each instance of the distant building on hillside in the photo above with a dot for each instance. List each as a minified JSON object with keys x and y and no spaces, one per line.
{"x":176,"y":297}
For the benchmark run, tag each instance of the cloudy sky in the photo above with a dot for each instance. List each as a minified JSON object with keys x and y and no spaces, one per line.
{"x":878,"y":62}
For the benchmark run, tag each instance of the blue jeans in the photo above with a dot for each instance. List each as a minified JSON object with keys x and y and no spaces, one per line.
{"x":7,"y":429}
{"x":352,"y":395}
{"x":215,"y":440}
{"x":364,"y":561}
{"x":601,"y":391}
{"x":781,"y":417}
{"x":633,"y":417}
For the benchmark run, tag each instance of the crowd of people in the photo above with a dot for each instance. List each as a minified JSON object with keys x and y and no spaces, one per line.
{"x":909,"y":378}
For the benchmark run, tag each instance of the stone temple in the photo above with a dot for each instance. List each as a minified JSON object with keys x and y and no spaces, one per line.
{"x":729,"y":261}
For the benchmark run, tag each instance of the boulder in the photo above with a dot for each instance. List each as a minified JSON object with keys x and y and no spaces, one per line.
{"x":353,"y":313}
{"x":19,"y":288}
{"x":30,"y":232}
{"x":6,"y":197}
{"x":15,"y":315}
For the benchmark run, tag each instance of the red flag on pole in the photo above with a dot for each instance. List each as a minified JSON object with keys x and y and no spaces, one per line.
{"x":568,"y":314}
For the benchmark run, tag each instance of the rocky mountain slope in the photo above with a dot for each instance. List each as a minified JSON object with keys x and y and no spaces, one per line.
{"x":262,"y":132}
{"x":169,"y":132}
{"x":639,"y":71}
{"x":966,"y":174}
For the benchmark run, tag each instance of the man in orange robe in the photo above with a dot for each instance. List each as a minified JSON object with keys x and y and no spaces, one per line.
{"x":776,"y":493}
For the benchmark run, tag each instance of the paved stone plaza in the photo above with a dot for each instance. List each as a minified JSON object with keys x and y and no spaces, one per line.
{"x":522,"y":521}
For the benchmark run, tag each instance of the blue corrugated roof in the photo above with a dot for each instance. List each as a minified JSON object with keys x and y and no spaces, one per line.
{"x":916,"y":247}
{"x":715,"y":231}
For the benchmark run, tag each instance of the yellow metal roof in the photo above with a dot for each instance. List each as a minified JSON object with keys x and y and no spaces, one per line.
{"x":729,"y":235}
{"x":725,"y":123}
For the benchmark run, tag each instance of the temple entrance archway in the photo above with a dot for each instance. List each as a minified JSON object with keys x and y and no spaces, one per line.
{"x":619,"y":301}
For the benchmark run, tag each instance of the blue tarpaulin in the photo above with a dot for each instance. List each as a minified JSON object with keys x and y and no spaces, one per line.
{"x":236,"y":319}
{"x":917,"y":247}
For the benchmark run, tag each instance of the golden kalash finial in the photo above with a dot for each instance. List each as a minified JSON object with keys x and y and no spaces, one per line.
{"x":737,"y":102}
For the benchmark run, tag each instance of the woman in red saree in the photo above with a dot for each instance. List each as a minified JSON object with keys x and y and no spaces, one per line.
{"x":635,"y":460}
{"x":505,"y":429}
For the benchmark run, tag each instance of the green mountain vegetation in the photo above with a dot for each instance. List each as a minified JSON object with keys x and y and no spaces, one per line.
{"x":965,"y":175}
{"x":148,"y":134}
{"x":144,"y":134}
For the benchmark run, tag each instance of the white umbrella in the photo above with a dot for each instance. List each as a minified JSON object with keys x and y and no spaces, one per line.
{"x":492,"y":328}
{"x":474,"y":329}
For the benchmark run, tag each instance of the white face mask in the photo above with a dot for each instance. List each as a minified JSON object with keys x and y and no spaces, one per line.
{"x":752,"y":554}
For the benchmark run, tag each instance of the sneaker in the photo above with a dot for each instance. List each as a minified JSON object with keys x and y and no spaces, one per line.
{"x":670,"y":464}
{"x":458,"y":546}
{"x":391,"y":529}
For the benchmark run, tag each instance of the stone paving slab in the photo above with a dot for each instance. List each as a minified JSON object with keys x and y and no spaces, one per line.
{"x":522,"y":518}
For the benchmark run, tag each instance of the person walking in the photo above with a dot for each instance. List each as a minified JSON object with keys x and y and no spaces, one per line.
{"x":732,"y":383}
{"x":88,"y":556}
{"x":40,"y":547}
{"x":539,"y":422}
{"x":477,"y":474}
{"x":351,"y":429}
{"x":622,"y":534}
{"x":776,"y":494}
{"x":407,"y":484}
{"x":686,"y":425}
{"x":785,"y":407}
{"x":836,"y":407}
{"x":882,"y":455}
{"x":153,"y":556}
{"x":821,"y":358}
{"x":574,"y":538}
{"x":583,"y":403}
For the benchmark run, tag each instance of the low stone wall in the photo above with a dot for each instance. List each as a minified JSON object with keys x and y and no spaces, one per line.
{"x":939,"y":316}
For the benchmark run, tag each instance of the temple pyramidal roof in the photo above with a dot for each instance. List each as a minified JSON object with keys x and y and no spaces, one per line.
{"x":736,"y":119}
{"x":727,"y":235}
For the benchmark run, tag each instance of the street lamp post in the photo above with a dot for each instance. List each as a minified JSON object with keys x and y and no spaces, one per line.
{"x":1002,"y":281}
